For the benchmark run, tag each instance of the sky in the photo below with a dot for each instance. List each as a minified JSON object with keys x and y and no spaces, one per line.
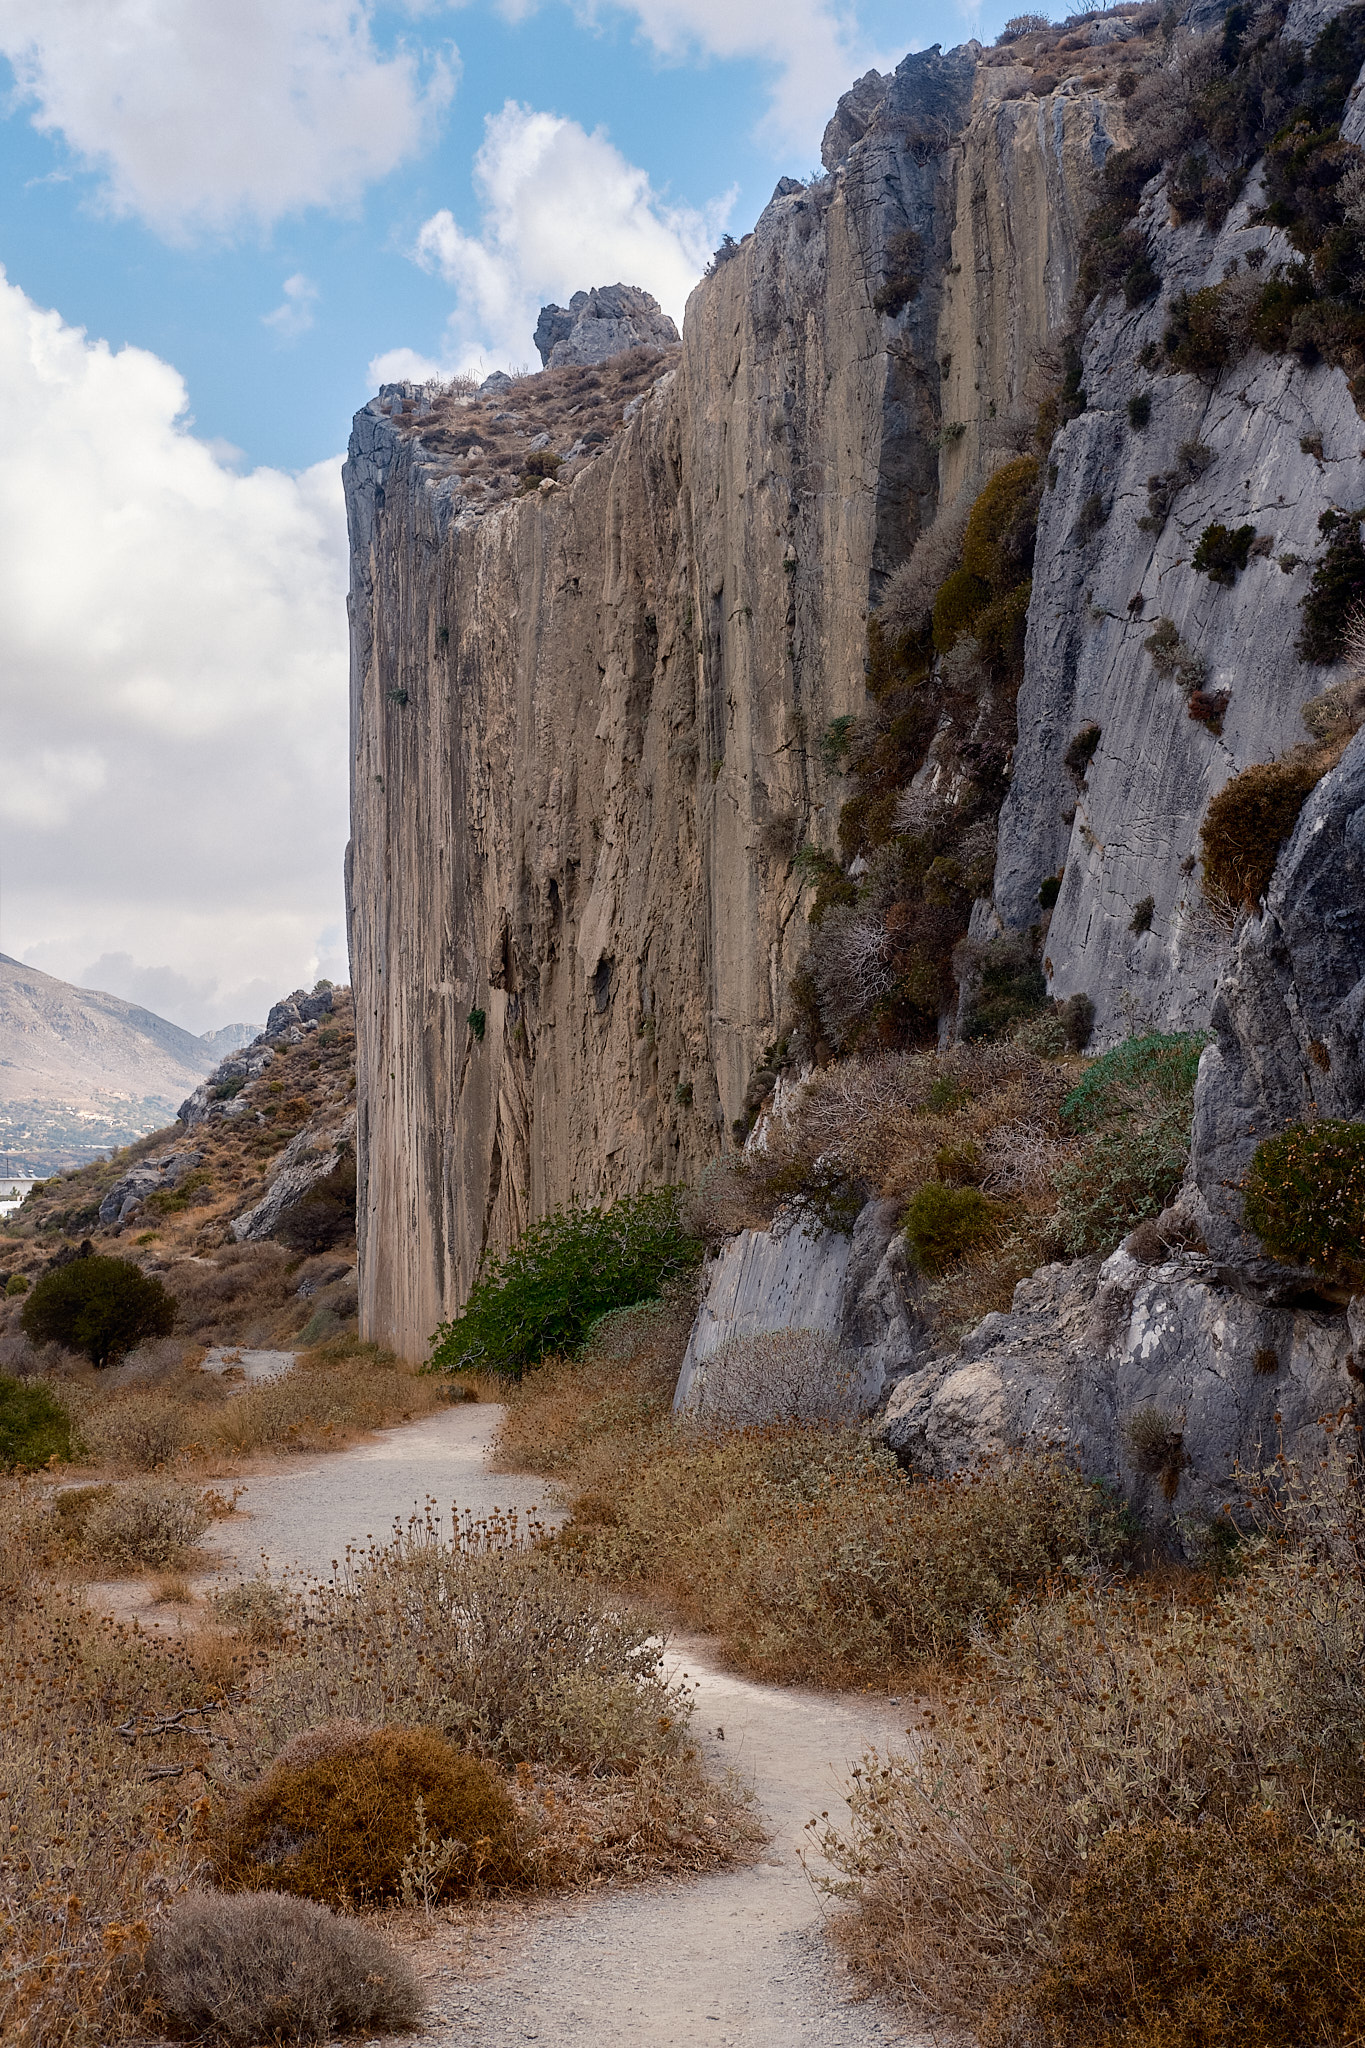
{"x":224,"y":223}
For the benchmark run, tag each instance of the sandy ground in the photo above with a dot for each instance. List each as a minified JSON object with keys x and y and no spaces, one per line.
{"x":738,"y":1957}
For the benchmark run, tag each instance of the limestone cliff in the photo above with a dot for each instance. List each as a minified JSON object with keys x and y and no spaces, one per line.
{"x":585,"y":723}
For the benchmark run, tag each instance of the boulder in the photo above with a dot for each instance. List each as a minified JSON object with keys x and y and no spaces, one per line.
{"x":305,"y":1160}
{"x":131,"y":1190}
{"x":798,"y":1276}
{"x":600,"y":323}
{"x":1163,"y":1381}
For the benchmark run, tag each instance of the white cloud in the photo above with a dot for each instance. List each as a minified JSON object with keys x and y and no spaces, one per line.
{"x":172,"y":678}
{"x":204,"y":114}
{"x":294,"y":314}
{"x":562,"y":210}
{"x":814,"y":49}
{"x":403,"y":366}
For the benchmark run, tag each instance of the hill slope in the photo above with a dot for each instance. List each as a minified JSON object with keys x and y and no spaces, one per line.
{"x":81,"y":1070}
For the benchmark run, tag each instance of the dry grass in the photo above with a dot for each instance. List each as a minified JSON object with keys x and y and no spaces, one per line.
{"x":617,"y":1393}
{"x":1107,"y":1709}
{"x":812,"y":1556}
{"x":240,"y":1971}
{"x":145,"y":1524}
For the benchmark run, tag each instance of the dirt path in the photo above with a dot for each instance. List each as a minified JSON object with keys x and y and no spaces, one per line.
{"x":739,"y":1957}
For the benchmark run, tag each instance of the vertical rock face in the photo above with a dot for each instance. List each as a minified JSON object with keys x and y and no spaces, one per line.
{"x":585,"y":725}
{"x":1271,"y":444}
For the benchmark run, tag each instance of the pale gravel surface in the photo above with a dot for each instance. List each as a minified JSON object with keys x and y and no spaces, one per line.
{"x":737,"y":1957}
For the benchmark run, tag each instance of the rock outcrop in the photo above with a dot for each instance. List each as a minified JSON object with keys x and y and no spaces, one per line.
{"x":600,"y":323}
{"x":1289,"y":1017}
{"x":1165,"y":1381}
{"x":852,"y":1287}
{"x":586,"y":723}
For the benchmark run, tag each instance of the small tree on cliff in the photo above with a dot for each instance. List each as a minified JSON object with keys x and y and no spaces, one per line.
{"x":102,"y":1307}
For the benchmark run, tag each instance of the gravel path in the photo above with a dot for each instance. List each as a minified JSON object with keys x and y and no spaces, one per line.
{"x":738,"y":1957}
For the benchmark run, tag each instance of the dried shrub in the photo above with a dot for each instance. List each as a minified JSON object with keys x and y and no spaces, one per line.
{"x":147,"y":1523}
{"x":1185,"y":1934}
{"x":144,"y":1430}
{"x":258,"y":1609}
{"x":619,"y":1388}
{"x":908,"y":599}
{"x":1080,"y":750}
{"x":1077,"y":1017}
{"x":1109,"y":1709}
{"x":1247,"y":824}
{"x":814,"y":1557}
{"x":1133,"y":1109}
{"x":35,"y":1429}
{"x":774,"y":1377}
{"x":241,"y":1971}
{"x":336,"y":1391}
{"x":1305,"y":1197}
{"x":943,"y":1225}
{"x":1156,"y":1441}
{"x":339,"y":1815}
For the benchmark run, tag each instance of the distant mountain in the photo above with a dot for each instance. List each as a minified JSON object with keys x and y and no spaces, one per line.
{"x":227,"y":1038}
{"x":81,"y":1071}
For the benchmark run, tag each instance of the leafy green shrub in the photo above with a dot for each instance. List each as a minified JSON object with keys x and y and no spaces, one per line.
{"x":566,"y":1271}
{"x":16,"y":1284}
{"x":233,"y":1972}
{"x":1197,"y":338}
{"x":1305,"y":1197}
{"x":100,"y":1306}
{"x":1152,"y":1073}
{"x":1337,"y":590}
{"x":34,"y":1426}
{"x":1247,"y":824}
{"x":1143,"y":912}
{"x":943,"y":1224}
{"x":1049,"y":889}
{"x":1185,"y":1934}
{"x":962,"y":597}
{"x":1008,"y":987}
{"x":1222,"y":553}
{"x":343,"y":1809}
{"x":1139,"y":409}
{"x":997,"y":544}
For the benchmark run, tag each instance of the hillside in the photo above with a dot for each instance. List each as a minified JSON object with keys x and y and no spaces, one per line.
{"x":81,"y":1070}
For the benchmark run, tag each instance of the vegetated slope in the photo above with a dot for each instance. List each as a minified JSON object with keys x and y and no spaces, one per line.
{"x":272,"y":1125}
{"x":79,"y":1068}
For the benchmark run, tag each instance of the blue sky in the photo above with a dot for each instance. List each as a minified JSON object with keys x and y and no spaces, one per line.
{"x":223,"y":220}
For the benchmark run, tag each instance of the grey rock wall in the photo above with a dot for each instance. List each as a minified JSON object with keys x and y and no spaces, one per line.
{"x":1289,"y":1017}
{"x":600,"y":323}
{"x":1101,"y":582}
{"x":1087,"y":1350}
{"x":796,"y":1276}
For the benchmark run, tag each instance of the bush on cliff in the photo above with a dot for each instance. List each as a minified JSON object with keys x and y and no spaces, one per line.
{"x":567,"y":1270}
{"x":1305,"y":1198}
{"x":1248,"y":822}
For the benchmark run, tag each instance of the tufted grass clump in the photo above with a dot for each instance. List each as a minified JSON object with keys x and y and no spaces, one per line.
{"x":234,"y":1972}
{"x":35,"y":1428}
{"x":148,"y":1523}
{"x":346,"y":1809}
{"x":565,"y":1272}
{"x":1305,"y":1198}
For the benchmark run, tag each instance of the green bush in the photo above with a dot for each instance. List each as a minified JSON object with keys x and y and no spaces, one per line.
{"x":100,"y":1306}
{"x":1139,"y":409}
{"x":1197,"y":338}
{"x":1151,"y":1074}
{"x":566,"y":1271}
{"x":1337,"y":589}
{"x":1305,"y":1197}
{"x":1248,"y":822}
{"x":34,"y":1426}
{"x":998,"y":542}
{"x":960,"y":600}
{"x":1080,"y":750}
{"x":1222,"y":553}
{"x":16,"y":1284}
{"x":1009,"y":988}
{"x":943,"y":1224}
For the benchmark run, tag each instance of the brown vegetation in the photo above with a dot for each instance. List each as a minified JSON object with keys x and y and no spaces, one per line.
{"x":1146,"y":1758}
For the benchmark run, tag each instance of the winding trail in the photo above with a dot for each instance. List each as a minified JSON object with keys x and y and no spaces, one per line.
{"x":737,"y":1957}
